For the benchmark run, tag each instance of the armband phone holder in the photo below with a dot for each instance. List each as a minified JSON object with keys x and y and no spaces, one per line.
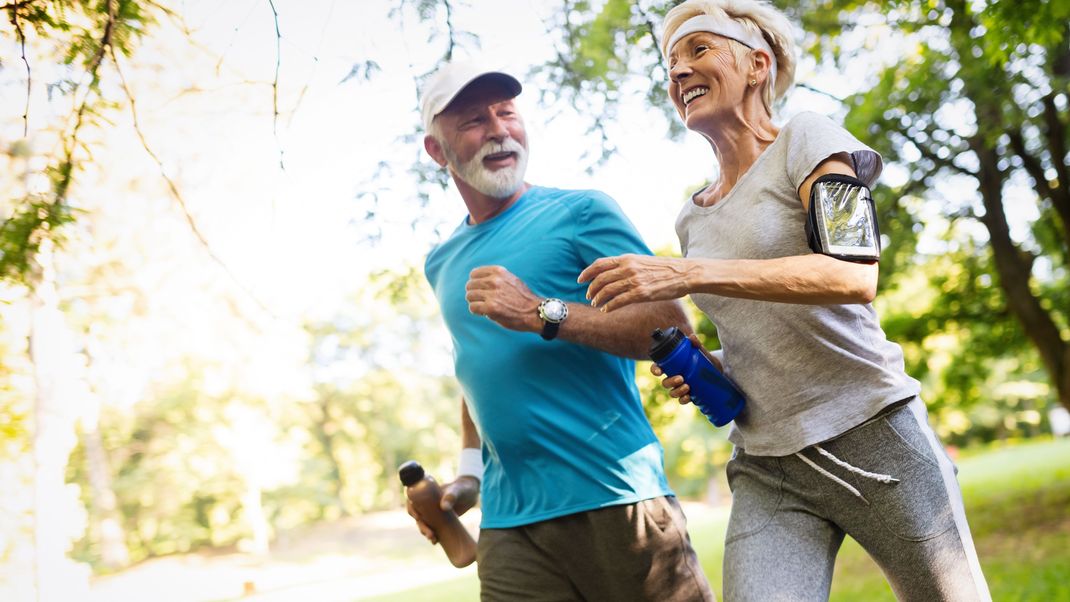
{"x":842,"y":219}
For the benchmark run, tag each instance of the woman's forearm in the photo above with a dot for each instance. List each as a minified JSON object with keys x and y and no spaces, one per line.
{"x":810,"y":279}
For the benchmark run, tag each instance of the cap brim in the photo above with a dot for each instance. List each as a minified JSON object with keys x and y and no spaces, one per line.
{"x":508,"y":82}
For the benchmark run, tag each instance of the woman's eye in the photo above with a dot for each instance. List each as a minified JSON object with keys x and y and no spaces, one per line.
{"x":701,"y":48}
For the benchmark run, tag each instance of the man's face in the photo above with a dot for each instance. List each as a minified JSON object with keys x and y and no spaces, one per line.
{"x":483,"y":141}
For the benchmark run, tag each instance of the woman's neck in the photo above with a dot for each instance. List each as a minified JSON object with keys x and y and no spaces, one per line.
{"x":737,"y":143}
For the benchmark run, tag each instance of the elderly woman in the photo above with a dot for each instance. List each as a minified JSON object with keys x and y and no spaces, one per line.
{"x":780,"y":252}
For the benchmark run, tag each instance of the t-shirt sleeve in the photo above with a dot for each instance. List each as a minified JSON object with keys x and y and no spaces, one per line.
{"x":602,"y":229}
{"x":812,"y":138}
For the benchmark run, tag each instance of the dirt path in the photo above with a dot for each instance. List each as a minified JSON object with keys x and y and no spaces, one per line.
{"x":340,"y":561}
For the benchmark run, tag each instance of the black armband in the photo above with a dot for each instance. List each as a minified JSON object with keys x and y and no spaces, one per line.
{"x":842,"y":220}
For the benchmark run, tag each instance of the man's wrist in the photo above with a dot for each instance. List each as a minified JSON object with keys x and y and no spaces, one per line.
{"x":471,"y":463}
{"x":535,"y":323}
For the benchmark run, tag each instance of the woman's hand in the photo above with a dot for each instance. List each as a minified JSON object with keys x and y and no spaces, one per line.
{"x":678,"y":389}
{"x":626,"y":279}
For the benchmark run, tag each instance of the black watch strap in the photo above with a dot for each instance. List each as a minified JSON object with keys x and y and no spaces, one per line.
{"x":549,"y":330}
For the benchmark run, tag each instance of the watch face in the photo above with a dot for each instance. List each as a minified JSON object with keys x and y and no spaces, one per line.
{"x":555,"y":310}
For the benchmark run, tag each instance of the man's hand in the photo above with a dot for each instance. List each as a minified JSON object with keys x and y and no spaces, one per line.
{"x":496,"y":293}
{"x":460,"y":496}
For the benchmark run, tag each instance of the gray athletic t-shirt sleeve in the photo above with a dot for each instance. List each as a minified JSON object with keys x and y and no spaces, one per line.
{"x":811,"y":138}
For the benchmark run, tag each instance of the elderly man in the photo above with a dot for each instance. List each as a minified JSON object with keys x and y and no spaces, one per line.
{"x":574,"y":497}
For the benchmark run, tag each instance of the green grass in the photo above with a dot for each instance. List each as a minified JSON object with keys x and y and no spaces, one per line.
{"x":1018,"y":503}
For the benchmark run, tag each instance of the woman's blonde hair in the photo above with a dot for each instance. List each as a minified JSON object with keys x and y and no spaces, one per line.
{"x":757,"y":16}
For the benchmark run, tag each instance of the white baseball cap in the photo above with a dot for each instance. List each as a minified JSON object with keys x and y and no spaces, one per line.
{"x":446,"y":83}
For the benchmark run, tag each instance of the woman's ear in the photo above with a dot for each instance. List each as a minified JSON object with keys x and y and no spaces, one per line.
{"x":759,"y":67}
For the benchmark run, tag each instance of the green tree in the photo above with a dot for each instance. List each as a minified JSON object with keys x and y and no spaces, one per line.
{"x":966,"y":96}
{"x":377,"y":404}
{"x":979,"y":103}
{"x":85,"y":36}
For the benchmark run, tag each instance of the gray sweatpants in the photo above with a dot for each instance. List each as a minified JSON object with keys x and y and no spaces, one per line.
{"x":887,"y":483}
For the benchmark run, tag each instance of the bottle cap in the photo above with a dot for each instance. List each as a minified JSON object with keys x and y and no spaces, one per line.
{"x":410,"y":473}
{"x":664,"y":342}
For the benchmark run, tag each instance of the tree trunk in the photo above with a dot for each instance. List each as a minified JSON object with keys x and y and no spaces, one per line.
{"x":326,"y":438}
{"x":1013,"y":266}
{"x":1014,"y":272}
{"x":113,"y":551}
{"x":60,"y":391}
{"x":253,"y":509}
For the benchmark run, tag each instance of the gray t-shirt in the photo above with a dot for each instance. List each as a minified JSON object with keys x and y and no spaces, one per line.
{"x":809,"y":372}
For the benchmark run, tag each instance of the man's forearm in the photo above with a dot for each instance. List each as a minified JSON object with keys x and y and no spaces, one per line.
{"x":625,"y":332}
{"x":469,"y":434}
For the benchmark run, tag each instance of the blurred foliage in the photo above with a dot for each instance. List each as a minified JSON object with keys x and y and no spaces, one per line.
{"x":184,"y":459}
{"x":84,"y":36}
{"x":971,"y":99}
{"x":1001,"y":293}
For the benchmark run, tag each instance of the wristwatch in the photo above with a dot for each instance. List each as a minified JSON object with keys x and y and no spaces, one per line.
{"x":552,"y":312}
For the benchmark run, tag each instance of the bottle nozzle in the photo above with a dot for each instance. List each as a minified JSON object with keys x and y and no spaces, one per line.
{"x":664,"y":341}
{"x":410,"y":473}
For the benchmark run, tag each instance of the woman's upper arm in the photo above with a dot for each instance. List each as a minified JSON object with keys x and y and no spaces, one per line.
{"x":839,"y":163}
{"x":861,"y":276}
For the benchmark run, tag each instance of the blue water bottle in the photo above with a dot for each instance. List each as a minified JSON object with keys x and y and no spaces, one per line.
{"x":711,"y":391}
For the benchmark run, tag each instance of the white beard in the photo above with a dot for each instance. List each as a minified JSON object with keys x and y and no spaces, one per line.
{"x":497,"y":184}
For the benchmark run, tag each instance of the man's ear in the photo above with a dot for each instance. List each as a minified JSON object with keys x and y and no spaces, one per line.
{"x":434,"y":149}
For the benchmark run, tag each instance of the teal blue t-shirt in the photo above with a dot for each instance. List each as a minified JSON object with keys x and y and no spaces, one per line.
{"x":562,"y":426}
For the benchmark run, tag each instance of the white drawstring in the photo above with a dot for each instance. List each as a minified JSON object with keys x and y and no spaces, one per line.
{"x":831,"y":476}
{"x":883,"y":478}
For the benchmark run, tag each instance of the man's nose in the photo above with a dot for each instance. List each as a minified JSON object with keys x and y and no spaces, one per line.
{"x":496,"y":128}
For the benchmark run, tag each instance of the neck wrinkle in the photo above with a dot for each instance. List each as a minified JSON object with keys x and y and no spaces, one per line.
{"x":738,"y":144}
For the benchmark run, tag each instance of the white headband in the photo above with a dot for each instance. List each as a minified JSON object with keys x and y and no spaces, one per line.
{"x":727,"y":28}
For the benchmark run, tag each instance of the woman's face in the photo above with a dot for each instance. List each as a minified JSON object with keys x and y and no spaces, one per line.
{"x":704,"y":80}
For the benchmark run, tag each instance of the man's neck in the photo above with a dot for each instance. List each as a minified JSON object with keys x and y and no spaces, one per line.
{"x":482,"y":207}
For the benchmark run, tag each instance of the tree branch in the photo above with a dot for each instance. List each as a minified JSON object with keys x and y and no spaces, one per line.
{"x":451,"y":41}
{"x":71,"y":143}
{"x":14,"y":9}
{"x":174,"y":189}
{"x":931,"y":155}
{"x":806,"y":86}
{"x":1056,"y":143}
{"x":275,"y":85}
{"x":651,"y":28}
{"x":1031,"y":163}
{"x":1057,"y":194}
{"x":16,"y":5}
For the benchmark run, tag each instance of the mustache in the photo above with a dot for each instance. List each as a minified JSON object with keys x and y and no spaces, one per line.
{"x":509,"y":145}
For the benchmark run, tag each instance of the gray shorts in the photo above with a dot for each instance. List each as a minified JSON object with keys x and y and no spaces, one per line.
{"x":635,"y":552}
{"x":887,"y":483}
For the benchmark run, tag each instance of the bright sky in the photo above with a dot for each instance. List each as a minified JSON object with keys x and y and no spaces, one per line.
{"x":339,"y":132}
{"x":297,"y":237}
